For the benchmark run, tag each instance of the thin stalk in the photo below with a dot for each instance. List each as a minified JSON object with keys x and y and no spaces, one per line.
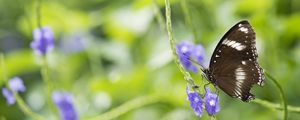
{"x":23,"y":107}
{"x":188,"y":18}
{"x":186,"y":74}
{"x":45,"y":69}
{"x":26,"y":109}
{"x":275,"y":106}
{"x":95,"y":64}
{"x":3,"y":67}
{"x":159,"y":16}
{"x":128,"y":106}
{"x":285,"y":112}
{"x":27,"y":18}
{"x":49,"y":84}
{"x":38,"y":13}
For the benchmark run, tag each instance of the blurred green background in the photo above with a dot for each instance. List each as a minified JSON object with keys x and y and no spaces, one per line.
{"x":111,"y":51}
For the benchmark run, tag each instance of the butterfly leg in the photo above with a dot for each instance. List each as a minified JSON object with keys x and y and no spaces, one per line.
{"x":195,"y":87}
{"x":217,"y":91}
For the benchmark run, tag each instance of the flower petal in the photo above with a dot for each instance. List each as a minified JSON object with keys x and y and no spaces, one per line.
{"x":211,"y":102}
{"x":185,"y":50}
{"x":16,"y":84}
{"x":65,"y":105}
{"x":43,"y":40}
{"x":10,"y":99}
{"x":195,"y":101}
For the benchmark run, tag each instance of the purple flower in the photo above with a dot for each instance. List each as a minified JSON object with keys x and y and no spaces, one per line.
{"x":211,"y":102}
{"x":186,"y":50}
{"x":64,"y":103}
{"x":10,"y":99}
{"x":16,"y":84}
{"x":43,"y":40}
{"x":72,"y":44}
{"x":195,"y":101}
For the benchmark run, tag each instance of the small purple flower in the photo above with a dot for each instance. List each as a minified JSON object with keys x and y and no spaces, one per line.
{"x":43,"y":40}
{"x":64,"y":103}
{"x":73,"y":43}
{"x":186,"y":50}
{"x":16,"y":84}
{"x":211,"y":102}
{"x":195,"y":101}
{"x":10,"y":99}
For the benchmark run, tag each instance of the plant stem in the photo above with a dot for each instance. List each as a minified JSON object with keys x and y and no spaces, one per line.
{"x":128,"y":106}
{"x":45,"y":69}
{"x":26,"y":109}
{"x":285,"y":112}
{"x":20,"y":101}
{"x":188,"y":18}
{"x":49,"y":84}
{"x":158,"y":15}
{"x":27,"y":18}
{"x":186,"y":74}
{"x":276,"y":106}
{"x":38,"y":13}
{"x":3,"y":67}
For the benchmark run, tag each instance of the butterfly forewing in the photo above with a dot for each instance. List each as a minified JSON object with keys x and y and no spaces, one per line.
{"x":233,"y":66}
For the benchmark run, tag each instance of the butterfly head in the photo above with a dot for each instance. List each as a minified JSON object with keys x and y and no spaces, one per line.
{"x":209,"y":76}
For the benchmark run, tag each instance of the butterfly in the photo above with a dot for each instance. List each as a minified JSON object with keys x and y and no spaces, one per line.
{"x":233,"y":66}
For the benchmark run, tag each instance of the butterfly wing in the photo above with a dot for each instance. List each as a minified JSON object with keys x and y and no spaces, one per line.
{"x":233,"y":65}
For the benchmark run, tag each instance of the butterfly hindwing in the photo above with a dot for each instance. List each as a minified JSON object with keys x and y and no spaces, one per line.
{"x":233,"y":66}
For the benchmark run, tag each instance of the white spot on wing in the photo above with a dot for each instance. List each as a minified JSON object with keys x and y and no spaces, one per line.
{"x":240,"y":76}
{"x":225,"y":41}
{"x":236,"y":45}
{"x":244,"y":62}
{"x":231,"y":43}
{"x":241,"y":47}
{"x":240,"y":25}
{"x":243,"y":29}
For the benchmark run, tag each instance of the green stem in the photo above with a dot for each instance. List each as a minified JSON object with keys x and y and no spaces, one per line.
{"x":45,"y":75}
{"x":49,"y":84}
{"x":285,"y":112}
{"x":158,"y":15}
{"x":26,"y":109}
{"x":38,"y":13}
{"x":20,"y":101}
{"x":45,"y":69}
{"x":27,"y":18}
{"x":276,"y":106}
{"x":186,"y":74}
{"x":213,"y":118}
{"x":95,"y":64}
{"x":3,"y":67}
{"x":188,"y":18}
{"x":128,"y":106}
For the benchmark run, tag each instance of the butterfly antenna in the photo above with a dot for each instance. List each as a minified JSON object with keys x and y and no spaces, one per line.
{"x":198,"y":64}
{"x":195,"y":62}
